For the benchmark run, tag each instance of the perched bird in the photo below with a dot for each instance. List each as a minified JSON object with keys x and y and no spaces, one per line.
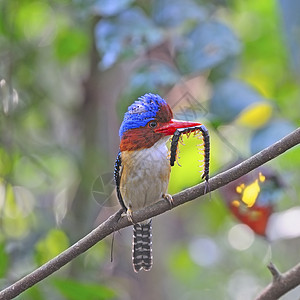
{"x":142,"y":168}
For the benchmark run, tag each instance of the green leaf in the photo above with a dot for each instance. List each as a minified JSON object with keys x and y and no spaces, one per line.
{"x":75,"y":290}
{"x":4,"y":260}
{"x":33,"y":293}
{"x":255,"y":115}
{"x":15,"y":223}
{"x":28,"y":173}
{"x":182,"y":266}
{"x":214,"y":214}
{"x":53,"y":244}
{"x":69,"y":43}
{"x":33,"y":18}
{"x":5,"y":162}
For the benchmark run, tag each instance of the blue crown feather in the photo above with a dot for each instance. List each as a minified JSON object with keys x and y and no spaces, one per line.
{"x":141,"y":112}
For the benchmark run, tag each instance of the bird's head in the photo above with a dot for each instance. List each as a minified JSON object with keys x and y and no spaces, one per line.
{"x":147,"y":120}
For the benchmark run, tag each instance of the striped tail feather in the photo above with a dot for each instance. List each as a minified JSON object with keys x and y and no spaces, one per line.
{"x":142,"y":246}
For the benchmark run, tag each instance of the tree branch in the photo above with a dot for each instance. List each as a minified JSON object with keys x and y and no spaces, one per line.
{"x":116,"y":222}
{"x":281,"y":284}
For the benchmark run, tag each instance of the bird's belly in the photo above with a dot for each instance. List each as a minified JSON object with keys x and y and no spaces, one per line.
{"x":145,"y":176}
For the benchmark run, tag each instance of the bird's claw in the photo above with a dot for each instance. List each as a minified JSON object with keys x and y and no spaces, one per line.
{"x":129,"y":214}
{"x":169,"y":198}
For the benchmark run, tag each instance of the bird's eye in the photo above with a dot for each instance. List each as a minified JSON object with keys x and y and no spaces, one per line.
{"x":152,"y":124}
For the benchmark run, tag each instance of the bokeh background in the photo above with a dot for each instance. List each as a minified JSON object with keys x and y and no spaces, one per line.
{"x":68,"y":71}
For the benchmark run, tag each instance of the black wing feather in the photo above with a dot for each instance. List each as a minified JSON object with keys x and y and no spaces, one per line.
{"x":117,"y":178}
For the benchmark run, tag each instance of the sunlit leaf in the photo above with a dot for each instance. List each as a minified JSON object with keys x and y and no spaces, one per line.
{"x":11,"y":208}
{"x":54,"y":243}
{"x":76,"y":290}
{"x":189,"y":172}
{"x":17,"y":227}
{"x":256,"y":115}
{"x":263,"y":83}
{"x":268,"y":72}
{"x":34,"y":18}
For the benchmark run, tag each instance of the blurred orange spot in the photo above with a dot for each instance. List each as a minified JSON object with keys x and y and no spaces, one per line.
{"x":236,"y":203}
{"x":261,"y":177}
{"x":239,"y":189}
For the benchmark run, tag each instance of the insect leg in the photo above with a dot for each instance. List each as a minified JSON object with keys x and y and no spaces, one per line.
{"x":206,"y":141}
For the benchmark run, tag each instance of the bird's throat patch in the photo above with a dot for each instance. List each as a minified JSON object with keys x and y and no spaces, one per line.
{"x":138,"y":138}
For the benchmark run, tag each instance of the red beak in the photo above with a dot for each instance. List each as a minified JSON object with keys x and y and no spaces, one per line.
{"x":170,"y":127}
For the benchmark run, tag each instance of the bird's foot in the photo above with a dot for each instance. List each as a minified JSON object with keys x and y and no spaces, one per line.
{"x":169,"y":198}
{"x":129,"y":214}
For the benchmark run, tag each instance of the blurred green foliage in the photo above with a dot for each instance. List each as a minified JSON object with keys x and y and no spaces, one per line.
{"x":4,"y":260}
{"x":75,"y":290}
{"x":68,"y":71}
{"x":54,"y":243}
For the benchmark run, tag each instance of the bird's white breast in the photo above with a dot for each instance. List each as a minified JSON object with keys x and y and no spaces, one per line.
{"x":145,"y":175}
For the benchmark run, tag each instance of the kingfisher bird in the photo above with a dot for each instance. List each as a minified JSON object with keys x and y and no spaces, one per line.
{"x":143,"y":166}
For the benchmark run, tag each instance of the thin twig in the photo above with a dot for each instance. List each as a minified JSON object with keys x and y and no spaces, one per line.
{"x":274,"y":271}
{"x":283,"y":284}
{"x":116,"y":222}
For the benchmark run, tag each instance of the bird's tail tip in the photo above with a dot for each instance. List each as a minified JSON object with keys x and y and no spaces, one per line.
{"x":142,"y":247}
